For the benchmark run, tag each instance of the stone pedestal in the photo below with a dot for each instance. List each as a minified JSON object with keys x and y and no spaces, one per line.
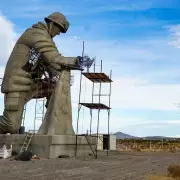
{"x":46,"y":146}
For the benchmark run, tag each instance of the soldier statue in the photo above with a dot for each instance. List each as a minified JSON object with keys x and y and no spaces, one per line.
{"x":23,"y":74}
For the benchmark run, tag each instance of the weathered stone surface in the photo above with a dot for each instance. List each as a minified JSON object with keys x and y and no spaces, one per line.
{"x":47,"y":146}
{"x":58,"y":118}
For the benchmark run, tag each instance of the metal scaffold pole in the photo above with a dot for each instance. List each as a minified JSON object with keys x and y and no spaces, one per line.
{"x":109,"y":110}
{"x":99,"y":95}
{"x":79,"y":106}
{"x":90,"y":129}
{"x":39,"y":111}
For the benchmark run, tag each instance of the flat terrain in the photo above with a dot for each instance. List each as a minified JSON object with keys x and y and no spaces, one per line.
{"x":118,"y":166}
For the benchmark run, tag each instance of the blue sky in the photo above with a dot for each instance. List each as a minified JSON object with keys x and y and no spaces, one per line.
{"x":139,"y":40}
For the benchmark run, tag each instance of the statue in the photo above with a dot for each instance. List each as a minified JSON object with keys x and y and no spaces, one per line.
{"x":34,"y":56}
{"x":58,"y":117}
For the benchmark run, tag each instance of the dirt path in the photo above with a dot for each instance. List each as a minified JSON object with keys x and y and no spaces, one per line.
{"x":118,"y":166}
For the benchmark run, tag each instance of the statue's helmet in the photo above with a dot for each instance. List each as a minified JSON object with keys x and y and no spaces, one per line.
{"x":59,"y":19}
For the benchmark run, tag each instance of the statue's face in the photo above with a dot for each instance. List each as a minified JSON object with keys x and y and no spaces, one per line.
{"x":56,"y":30}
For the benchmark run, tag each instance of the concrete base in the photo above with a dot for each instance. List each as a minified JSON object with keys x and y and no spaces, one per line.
{"x":45,"y":146}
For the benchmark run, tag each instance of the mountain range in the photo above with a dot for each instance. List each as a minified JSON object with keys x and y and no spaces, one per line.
{"x":120,"y":135}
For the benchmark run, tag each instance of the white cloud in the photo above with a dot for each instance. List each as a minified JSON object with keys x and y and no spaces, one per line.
{"x":130,"y":124}
{"x":173,"y":122}
{"x":7,"y":36}
{"x":177,"y":136}
{"x":175,"y":35}
{"x":1,"y":71}
{"x":157,"y":97}
{"x":132,"y":93}
{"x":109,"y":51}
{"x":142,"y":127}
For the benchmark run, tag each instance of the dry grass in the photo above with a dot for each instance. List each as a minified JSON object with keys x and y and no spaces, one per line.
{"x":173,"y":173}
{"x":172,"y":149}
{"x":148,"y":146}
{"x":159,"y":178}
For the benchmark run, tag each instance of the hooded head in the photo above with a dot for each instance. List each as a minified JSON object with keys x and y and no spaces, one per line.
{"x":57,"y":23}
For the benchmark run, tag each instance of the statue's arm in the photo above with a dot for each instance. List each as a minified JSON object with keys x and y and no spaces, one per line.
{"x":50,"y":54}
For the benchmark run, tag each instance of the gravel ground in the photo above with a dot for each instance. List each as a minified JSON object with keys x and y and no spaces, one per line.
{"x":117,"y":166}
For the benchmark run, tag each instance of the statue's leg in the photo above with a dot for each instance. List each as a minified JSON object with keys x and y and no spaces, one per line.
{"x":14,"y":102}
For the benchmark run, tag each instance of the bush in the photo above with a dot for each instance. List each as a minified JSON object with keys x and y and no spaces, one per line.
{"x":173,"y":173}
{"x":159,"y":178}
{"x":172,"y":149}
{"x":173,"y":170}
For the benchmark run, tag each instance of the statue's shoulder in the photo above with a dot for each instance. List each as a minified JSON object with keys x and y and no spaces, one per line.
{"x":37,"y":32}
{"x":38,"y":37}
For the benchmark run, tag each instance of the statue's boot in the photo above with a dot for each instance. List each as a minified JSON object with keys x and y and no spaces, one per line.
{"x":4,"y":127}
{"x":8,"y":124}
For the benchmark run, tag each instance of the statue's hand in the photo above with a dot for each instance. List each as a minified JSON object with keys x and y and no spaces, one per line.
{"x":79,"y":60}
{"x":73,"y":63}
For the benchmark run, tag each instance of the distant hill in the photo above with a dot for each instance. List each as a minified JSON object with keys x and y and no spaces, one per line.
{"x":120,"y":135}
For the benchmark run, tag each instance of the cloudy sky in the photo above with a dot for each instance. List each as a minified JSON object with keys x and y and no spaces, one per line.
{"x":139,"y":40}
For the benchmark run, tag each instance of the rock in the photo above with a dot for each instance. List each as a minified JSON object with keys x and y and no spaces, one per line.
{"x":24,"y":156}
{"x":63,"y":156}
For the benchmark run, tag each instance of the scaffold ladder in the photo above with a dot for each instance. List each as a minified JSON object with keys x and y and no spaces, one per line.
{"x":27,"y":141}
{"x":89,"y":143}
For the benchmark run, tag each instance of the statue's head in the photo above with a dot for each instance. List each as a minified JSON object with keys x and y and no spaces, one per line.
{"x":57,"y":23}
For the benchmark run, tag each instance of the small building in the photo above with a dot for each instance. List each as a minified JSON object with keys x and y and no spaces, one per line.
{"x":106,"y":141}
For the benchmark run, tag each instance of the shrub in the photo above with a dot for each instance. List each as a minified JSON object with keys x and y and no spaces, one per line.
{"x":173,"y":170}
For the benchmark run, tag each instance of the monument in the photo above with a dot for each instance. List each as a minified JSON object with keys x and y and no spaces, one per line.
{"x":36,"y":69}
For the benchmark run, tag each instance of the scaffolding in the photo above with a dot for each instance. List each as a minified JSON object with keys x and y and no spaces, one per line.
{"x":39,"y":111}
{"x":100,"y":78}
